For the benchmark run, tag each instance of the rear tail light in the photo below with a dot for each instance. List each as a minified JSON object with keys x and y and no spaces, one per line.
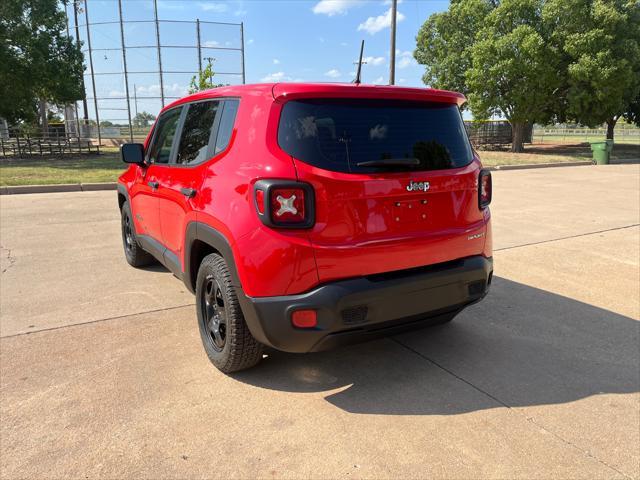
{"x":282,"y":203}
{"x":484,"y":188}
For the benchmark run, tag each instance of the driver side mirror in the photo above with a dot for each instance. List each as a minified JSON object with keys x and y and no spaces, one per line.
{"x":132,"y":153}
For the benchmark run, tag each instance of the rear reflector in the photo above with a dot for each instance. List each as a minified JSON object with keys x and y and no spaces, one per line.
{"x":484,"y":188}
{"x":260,"y":201}
{"x":304,"y":319}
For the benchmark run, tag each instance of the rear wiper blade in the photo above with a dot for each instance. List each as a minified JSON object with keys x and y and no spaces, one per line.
{"x":389,"y":162}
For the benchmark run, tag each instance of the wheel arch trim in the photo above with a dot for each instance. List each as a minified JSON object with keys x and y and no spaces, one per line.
{"x":122,"y":191}
{"x":198,"y":231}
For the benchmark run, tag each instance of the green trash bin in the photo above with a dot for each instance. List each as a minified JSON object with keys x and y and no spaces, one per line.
{"x":602,"y":151}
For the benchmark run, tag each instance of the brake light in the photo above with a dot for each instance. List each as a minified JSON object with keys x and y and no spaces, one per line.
{"x":484,"y":188}
{"x":283,"y":203}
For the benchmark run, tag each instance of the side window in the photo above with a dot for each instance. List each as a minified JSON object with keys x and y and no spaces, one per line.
{"x":226,"y":124}
{"x":160,"y":150}
{"x":196,"y":133}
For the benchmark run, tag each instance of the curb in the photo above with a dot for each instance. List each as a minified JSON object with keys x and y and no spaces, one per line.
{"x":540,"y":165}
{"x":71,"y":187}
{"x":93,"y":187}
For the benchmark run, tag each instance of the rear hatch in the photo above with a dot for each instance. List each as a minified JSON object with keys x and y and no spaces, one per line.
{"x":396,"y":182}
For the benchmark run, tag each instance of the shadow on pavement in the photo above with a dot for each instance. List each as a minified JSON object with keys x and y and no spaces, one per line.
{"x":155,"y":267}
{"x":626,"y":161}
{"x":522,"y":345}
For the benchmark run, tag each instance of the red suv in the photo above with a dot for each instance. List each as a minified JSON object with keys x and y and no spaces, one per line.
{"x":304,"y":216}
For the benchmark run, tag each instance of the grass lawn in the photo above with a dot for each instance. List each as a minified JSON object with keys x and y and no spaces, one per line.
{"x":554,"y":153}
{"x":107,"y":166}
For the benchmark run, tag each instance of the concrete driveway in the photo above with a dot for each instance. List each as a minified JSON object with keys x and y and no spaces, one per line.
{"x":102,"y":373}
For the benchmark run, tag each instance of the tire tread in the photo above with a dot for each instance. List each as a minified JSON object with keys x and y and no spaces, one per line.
{"x":242,"y":350}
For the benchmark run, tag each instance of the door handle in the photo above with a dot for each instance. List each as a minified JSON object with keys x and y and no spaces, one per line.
{"x":188,"y":192}
{"x":153,"y":185}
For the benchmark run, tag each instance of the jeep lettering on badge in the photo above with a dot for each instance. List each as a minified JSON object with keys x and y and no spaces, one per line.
{"x":417,"y":186}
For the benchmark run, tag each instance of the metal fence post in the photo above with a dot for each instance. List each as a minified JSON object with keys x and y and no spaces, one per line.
{"x":75,"y":103}
{"x":85,"y":113}
{"x":93,"y":77}
{"x":199,"y":45}
{"x":124,"y":65}
{"x":155,"y":18}
{"x":242,"y":50}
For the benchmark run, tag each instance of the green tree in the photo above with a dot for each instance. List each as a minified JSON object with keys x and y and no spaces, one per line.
{"x":204,"y":80}
{"x":632,"y":115}
{"x":514,"y":71}
{"x":143,"y":119}
{"x":38,"y":63}
{"x":444,"y":42}
{"x":599,"y":41}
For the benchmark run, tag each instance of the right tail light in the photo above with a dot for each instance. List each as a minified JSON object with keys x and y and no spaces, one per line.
{"x":484,"y":189}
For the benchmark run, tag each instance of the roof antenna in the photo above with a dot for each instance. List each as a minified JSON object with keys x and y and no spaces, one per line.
{"x":358,"y":80}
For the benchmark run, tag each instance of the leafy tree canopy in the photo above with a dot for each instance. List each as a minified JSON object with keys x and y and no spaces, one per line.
{"x":514,"y":71}
{"x":143,"y":119}
{"x":600,"y":44}
{"x":537,"y":60}
{"x":632,"y":115}
{"x":444,"y":43}
{"x":37,"y":60}
{"x":204,"y":80}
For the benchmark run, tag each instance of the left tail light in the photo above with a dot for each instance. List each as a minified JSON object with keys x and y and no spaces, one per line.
{"x":485,"y":189}
{"x":285,"y":204}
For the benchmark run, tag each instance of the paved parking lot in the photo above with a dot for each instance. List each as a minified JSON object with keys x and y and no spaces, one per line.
{"x":102,"y":373}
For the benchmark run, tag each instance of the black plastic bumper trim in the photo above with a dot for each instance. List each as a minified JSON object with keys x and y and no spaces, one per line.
{"x":400,"y":302}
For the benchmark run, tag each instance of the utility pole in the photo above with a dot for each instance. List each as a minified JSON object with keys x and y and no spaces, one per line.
{"x":392,"y":55}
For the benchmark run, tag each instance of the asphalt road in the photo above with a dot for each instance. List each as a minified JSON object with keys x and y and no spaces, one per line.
{"x":102,"y":373}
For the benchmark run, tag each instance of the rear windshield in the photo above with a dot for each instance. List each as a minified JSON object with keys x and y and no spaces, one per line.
{"x":374,"y":135}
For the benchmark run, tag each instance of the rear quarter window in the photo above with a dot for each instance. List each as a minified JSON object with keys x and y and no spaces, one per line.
{"x":339,"y":134}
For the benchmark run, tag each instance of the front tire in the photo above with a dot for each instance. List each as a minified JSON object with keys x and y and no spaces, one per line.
{"x":135,"y":255}
{"x":224,"y":332}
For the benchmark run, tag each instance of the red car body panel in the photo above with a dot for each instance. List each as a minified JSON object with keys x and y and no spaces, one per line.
{"x":365,"y":224}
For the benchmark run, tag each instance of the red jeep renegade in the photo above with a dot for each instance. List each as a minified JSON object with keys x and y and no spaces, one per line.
{"x":304,"y":216}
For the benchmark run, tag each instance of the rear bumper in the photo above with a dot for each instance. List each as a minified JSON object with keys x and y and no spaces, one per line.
{"x":367,"y":307}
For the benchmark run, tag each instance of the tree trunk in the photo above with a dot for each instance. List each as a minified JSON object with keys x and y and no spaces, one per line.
{"x":611,"y":124}
{"x":517,"y":136}
{"x":44,"y":121}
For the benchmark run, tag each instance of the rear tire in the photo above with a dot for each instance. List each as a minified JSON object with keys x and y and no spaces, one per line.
{"x":223,"y":330}
{"x":133,"y":252}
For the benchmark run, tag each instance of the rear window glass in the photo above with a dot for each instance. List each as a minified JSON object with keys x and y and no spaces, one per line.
{"x":226,"y":124}
{"x":380,"y":135}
